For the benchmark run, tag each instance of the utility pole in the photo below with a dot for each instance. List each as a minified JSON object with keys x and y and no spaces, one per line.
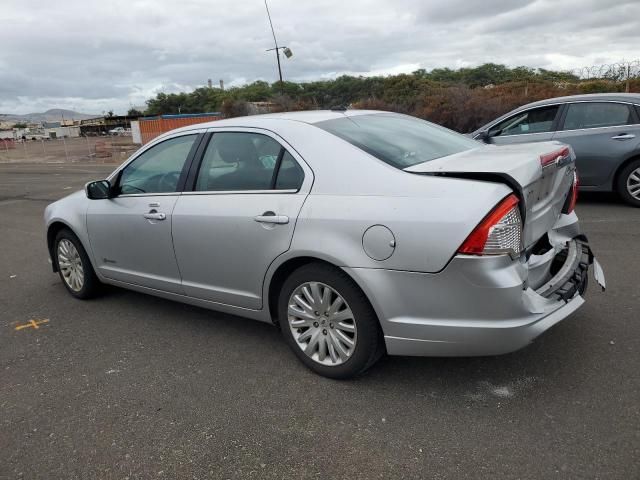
{"x":275,"y":41}
{"x":286,"y":50}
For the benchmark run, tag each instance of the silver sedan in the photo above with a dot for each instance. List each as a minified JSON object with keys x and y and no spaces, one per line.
{"x":357,"y":233}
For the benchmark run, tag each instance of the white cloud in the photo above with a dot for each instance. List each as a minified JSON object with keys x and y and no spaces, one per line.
{"x":94,"y":56}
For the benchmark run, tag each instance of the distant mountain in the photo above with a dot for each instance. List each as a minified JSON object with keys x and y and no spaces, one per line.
{"x":52,"y":115}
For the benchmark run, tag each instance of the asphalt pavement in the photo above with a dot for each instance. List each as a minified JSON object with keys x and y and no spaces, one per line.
{"x":132,"y":386}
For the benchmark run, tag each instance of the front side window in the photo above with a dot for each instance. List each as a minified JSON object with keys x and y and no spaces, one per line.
{"x":594,"y":115}
{"x":238,"y":161}
{"x":538,"y":120}
{"x":399,"y":140}
{"x":158,"y":169}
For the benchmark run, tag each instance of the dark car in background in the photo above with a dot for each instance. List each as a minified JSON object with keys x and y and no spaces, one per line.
{"x":603,"y":129}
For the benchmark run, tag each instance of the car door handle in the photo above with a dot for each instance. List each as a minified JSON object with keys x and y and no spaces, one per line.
{"x":155,"y":216}
{"x":270,"y":217}
{"x":624,"y":136}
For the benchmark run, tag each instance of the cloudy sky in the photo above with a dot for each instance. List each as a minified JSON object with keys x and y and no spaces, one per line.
{"x":91,"y":56}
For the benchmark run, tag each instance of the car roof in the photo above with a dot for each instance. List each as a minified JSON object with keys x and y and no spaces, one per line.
{"x":260,"y":121}
{"x":307,"y":116}
{"x":589,"y":97}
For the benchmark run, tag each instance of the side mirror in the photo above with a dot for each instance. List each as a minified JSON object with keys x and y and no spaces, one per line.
{"x":98,"y":190}
{"x":486,"y":135}
{"x":483,"y":136}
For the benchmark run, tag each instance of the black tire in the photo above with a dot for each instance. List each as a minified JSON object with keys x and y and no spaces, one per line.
{"x":369,"y":346}
{"x":90,"y":283}
{"x":621,"y":183}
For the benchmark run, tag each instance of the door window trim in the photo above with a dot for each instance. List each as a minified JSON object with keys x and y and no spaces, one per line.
{"x":634,"y":115}
{"x":183,"y":173}
{"x":238,"y":192}
{"x":151,"y":144}
{"x":559,"y":122}
{"x":192,"y":176}
{"x":554,"y":125}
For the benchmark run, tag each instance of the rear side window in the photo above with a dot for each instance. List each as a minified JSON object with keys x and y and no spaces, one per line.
{"x":240,"y":161}
{"x":290,"y":174}
{"x":594,"y":115}
{"x":400,"y":141}
{"x":537,"y":120}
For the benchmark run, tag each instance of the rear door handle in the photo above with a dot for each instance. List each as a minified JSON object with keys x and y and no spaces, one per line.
{"x":270,"y":217}
{"x":624,"y":136}
{"x":154,"y":216}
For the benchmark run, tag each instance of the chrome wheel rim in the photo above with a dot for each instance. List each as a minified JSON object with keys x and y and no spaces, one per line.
{"x":633,"y":184}
{"x":322,"y":324}
{"x":70,"y":265}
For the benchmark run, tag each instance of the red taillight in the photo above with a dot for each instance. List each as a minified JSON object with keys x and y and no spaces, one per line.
{"x":573,"y":194}
{"x":549,"y":158}
{"x":499,"y":232}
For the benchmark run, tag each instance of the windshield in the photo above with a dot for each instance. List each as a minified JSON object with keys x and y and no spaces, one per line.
{"x":399,"y":140}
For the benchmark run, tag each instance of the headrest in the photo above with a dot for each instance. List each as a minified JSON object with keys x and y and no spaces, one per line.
{"x":235,"y":147}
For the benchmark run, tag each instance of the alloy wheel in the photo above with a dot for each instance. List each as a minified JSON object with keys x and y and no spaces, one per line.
{"x":322,"y":324}
{"x":633,"y":184}
{"x":70,"y":265}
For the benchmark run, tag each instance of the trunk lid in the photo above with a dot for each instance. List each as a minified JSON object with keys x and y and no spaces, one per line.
{"x":542,"y":190}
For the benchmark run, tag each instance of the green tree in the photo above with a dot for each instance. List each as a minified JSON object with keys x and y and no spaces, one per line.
{"x":457,"y":98}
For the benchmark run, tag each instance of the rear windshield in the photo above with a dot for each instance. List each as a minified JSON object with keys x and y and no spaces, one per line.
{"x":400,"y":141}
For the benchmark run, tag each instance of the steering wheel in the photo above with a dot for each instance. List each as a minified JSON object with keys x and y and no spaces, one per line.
{"x":168,"y":181}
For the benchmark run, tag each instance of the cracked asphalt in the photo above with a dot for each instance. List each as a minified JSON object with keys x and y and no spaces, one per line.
{"x":132,"y":386}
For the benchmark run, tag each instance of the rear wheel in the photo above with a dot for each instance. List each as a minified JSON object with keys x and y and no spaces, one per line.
{"x":328,"y":322}
{"x":74,"y":266}
{"x":628,"y":184}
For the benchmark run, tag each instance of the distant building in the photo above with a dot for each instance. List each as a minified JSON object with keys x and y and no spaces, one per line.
{"x":6,"y":134}
{"x":41,"y":132}
{"x":66,"y":132}
{"x":102,"y":125}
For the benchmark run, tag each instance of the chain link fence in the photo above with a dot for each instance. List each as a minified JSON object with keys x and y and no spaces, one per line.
{"x":68,"y":150}
{"x":617,"y":72}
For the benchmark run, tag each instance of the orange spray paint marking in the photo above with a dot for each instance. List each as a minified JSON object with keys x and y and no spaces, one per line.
{"x":32,"y":324}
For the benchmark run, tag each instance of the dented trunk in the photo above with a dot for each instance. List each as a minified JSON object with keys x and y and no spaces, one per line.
{"x":543,"y":190}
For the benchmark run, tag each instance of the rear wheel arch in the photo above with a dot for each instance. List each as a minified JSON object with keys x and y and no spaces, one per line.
{"x":621,"y":168}
{"x":287,"y":268}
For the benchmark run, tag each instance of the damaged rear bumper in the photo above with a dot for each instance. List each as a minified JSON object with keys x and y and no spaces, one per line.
{"x":482,"y":305}
{"x":572,"y":276}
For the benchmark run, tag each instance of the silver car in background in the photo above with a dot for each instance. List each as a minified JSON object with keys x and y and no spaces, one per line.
{"x":355,"y":232}
{"x":603,"y":129}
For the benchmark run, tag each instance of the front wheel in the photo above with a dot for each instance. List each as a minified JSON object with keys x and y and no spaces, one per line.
{"x":328,"y":322}
{"x":74,"y":266}
{"x":628,"y":185}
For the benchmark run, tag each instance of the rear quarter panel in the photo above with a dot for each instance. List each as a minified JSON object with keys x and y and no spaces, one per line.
{"x":428,"y":227}
{"x":429,"y":216}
